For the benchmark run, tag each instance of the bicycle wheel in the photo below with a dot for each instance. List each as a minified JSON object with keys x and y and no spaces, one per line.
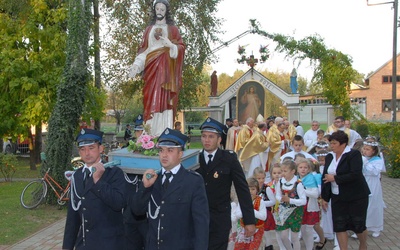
{"x":33,"y":194}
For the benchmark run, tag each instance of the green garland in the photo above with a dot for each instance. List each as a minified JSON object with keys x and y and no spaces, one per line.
{"x":333,"y":72}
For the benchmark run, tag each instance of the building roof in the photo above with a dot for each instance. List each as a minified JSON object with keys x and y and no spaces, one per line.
{"x":383,"y":65}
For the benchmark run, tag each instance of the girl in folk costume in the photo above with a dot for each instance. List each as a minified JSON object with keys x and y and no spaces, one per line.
{"x":260,"y":212}
{"x":326,"y":215}
{"x":268,"y":196}
{"x":311,"y":209}
{"x":276,"y":173}
{"x":319,"y":232}
{"x":289,"y":214}
{"x":372,"y":168}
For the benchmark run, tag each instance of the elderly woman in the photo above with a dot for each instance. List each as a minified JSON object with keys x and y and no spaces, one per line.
{"x":344,"y":184}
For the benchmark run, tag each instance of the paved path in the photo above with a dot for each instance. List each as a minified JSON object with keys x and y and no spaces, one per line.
{"x":51,"y":237}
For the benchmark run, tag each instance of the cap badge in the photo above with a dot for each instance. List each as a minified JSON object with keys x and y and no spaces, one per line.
{"x":139,"y":117}
{"x":82,"y":132}
{"x":208,"y":119}
{"x":167,"y":131}
{"x":216,"y":175}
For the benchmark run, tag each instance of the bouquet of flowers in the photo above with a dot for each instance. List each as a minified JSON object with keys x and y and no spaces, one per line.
{"x":145,"y":144}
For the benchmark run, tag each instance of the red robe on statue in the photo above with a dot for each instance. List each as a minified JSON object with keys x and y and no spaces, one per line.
{"x":162,"y":75}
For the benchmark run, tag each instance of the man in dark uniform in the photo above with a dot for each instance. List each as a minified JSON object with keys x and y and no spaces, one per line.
{"x":224,"y":135}
{"x":175,"y":200}
{"x":94,"y":218}
{"x":128,"y":133}
{"x":135,"y":225}
{"x":138,"y":127}
{"x":221,"y":168}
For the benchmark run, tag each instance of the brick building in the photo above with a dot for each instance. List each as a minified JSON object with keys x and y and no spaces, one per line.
{"x":377,"y":93}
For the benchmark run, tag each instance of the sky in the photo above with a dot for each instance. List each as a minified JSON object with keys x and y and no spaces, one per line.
{"x":363,"y":32}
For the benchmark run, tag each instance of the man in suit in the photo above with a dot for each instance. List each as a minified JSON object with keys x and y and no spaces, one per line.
{"x":175,"y":200}
{"x":221,"y":168}
{"x":94,"y":218}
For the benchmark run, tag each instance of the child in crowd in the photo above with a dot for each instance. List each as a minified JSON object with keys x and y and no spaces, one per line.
{"x":276,"y":174}
{"x":260,"y":212}
{"x":317,"y":147}
{"x":305,"y":170}
{"x":292,"y":197}
{"x":358,"y":144}
{"x":299,"y":156}
{"x":326,"y":215}
{"x":319,"y":232}
{"x":320,"y":135}
{"x":298,"y":143}
{"x":326,"y":138}
{"x":267,"y":194}
{"x":373,"y":166}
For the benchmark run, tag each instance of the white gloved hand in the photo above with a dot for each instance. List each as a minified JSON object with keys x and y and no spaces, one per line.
{"x":133,"y":71}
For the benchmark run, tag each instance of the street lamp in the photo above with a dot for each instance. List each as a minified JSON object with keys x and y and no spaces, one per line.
{"x":394,"y":58}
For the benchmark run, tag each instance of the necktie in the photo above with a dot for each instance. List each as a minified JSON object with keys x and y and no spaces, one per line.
{"x":209,"y":160}
{"x":86,"y":175}
{"x":166,"y":181}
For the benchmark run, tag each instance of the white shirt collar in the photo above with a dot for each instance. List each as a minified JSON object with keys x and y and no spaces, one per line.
{"x":174,"y":170}
{"x":206,"y":154}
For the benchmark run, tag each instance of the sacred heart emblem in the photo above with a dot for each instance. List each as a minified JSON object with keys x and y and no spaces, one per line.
{"x":158,"y":33}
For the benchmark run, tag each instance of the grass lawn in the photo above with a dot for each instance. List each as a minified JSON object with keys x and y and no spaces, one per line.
{"x":17,"y":222}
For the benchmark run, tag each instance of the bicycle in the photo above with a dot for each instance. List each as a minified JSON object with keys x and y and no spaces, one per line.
{"x":36,"y":190}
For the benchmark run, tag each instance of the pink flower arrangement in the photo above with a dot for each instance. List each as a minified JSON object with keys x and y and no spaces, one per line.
{"x":145,"y":144}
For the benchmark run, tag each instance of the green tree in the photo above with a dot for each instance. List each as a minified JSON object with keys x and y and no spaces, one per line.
{"x":72,"y":89}
{"x":32,"y":39}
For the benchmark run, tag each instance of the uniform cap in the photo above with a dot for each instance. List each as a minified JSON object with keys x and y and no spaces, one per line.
{"x":88,"y":137}
{"x":139,"y":120}
{"x":172,"y":138}
{"x":212,"y":125}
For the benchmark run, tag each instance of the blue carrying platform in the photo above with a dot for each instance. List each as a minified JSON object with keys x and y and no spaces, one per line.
{"x":134,"y":163}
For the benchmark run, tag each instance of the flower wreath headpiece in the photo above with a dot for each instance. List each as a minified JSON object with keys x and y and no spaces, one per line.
{"x":321,"y":145}
{"x":321,"y":154}
{"x":371,"y":143}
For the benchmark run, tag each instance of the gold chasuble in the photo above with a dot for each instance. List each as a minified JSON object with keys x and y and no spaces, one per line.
{"x":257,"y":144}
{"x":243,"y":137}
{"x":332,"y":129}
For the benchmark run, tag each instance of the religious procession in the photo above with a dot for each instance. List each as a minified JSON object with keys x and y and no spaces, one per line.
{"x":256,"y":183}
{"x":263,"y":184}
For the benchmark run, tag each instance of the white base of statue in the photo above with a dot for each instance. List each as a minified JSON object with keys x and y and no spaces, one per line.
{"x":160,"y":122}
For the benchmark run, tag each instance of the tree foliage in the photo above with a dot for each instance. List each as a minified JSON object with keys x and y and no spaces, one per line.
{"x":72,"y":89}
{"x":126,"y":21}
{"x":32,"y":58}
{"x":333,"y":72}
{"x":32,"y":41}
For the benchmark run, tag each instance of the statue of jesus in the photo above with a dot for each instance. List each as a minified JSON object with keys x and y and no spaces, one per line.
{"x":160,"y":58}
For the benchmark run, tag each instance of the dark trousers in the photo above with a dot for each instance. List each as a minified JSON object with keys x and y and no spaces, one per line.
{"x":135,"y":235}
{"x":218,"y":241}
